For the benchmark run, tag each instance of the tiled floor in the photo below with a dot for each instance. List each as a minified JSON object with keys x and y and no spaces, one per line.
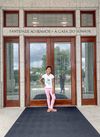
{"x":9,"y":115}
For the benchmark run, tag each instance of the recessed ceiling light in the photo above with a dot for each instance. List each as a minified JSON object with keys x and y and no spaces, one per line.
{"x":64,"y":23}
{"x":35,"y":22}
{"x":34,"y":18}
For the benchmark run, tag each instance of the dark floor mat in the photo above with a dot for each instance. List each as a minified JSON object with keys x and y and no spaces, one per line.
{"x":67,"y":122}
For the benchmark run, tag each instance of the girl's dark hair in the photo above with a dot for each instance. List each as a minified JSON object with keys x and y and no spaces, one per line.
{"x":48,"y":67}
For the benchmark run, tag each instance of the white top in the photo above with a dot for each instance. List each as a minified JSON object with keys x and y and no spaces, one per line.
{"x":48,"y":80}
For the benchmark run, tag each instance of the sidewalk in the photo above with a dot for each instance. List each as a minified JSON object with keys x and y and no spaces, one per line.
{"x":92,"y":114}
{"x":9,"y":115}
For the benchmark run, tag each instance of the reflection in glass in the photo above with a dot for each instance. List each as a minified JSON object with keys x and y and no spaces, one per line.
{"x":62,"y":70}
{"x":12,"y":64}
{"x":12,"y":19}
{"x":48,"y":20}
{"x":37,"y":67}
{"x":87,"y":19}
{"x":88,"y":70}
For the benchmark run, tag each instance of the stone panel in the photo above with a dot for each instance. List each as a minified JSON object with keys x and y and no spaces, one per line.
{"x":11,"y":3}
{"x":64,"y":3}
{"x":35,"y":3}
{"x":87,"y":3}
{"x":22,"y":94}
{"x":78,"y":93}
{"x":49,"y":3}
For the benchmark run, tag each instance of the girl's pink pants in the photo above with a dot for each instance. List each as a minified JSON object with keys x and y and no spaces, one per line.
{"x":50,"y":97}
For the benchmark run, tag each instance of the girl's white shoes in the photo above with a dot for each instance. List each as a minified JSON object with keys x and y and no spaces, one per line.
{"x":51,"y":110}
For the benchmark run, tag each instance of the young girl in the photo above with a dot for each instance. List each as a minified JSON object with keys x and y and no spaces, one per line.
{"x":47,"y":81}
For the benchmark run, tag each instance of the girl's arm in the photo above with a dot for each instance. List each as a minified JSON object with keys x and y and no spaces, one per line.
{"x":41,"y":81}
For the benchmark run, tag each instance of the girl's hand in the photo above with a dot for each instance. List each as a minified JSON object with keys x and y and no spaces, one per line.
{"x":42,"y":81}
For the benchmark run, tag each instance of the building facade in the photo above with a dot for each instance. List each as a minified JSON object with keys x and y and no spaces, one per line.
{"x":63,"y":34}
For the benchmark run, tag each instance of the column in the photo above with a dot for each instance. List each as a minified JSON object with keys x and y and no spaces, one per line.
{"x":78,"y":60}
{"x":98,"y":53}
{"x":22,"y":78}
{"x":1,"y":61}
{"x":78,"y":70}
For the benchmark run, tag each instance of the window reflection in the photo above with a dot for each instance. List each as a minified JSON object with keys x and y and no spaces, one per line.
{"x":12,"y":20}
{"x":88,"y":70}
{"x":12,"y":71}
{"x":62,"y":70}
{"x":50,"y":19}
{"x":88,"y":19}
{"x":37,"y":67}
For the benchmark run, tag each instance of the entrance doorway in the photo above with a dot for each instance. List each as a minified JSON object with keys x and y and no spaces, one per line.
{"x":58,"y":52}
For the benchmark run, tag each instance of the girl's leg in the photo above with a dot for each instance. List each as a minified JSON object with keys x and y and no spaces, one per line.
{"x":47,"y":92}
{"x":52,"y":99}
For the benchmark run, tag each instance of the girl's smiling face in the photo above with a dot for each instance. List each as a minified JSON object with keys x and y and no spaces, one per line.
{"x":48,"y":70}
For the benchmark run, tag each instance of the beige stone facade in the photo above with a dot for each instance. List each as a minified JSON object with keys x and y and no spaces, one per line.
{"x":77,"y":31}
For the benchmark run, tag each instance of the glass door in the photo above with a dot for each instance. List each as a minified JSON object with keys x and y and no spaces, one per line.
{"x":63,"y":52}
{"x":62,"y":67}
{"x":58,"y":53}
{"x":35,"y":64}
{"x":37,"y":68}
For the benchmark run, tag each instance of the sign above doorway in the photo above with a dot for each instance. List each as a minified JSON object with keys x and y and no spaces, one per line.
{"x":49,"y":31}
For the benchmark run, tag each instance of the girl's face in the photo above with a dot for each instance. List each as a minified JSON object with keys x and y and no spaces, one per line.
{"x":48,"y":70}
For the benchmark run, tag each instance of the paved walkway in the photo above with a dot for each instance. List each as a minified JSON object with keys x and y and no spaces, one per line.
{"x":92,"y":113}
{"x":9,"y":115}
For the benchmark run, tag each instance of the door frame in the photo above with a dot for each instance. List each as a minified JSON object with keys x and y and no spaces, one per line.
{"x":50,"y":61}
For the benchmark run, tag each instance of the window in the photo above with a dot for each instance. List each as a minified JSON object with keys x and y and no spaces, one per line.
{"x":88,"y":19}
{"x":11,"y":71}
{"x":88,"y":59}
{"x":11,"y":18}
{"x":49,"y":19}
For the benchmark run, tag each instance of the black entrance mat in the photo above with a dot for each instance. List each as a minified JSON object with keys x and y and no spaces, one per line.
{"x":67,"y":122}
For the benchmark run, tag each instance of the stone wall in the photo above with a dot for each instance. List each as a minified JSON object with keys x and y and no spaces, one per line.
{"x":77,"y":5}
